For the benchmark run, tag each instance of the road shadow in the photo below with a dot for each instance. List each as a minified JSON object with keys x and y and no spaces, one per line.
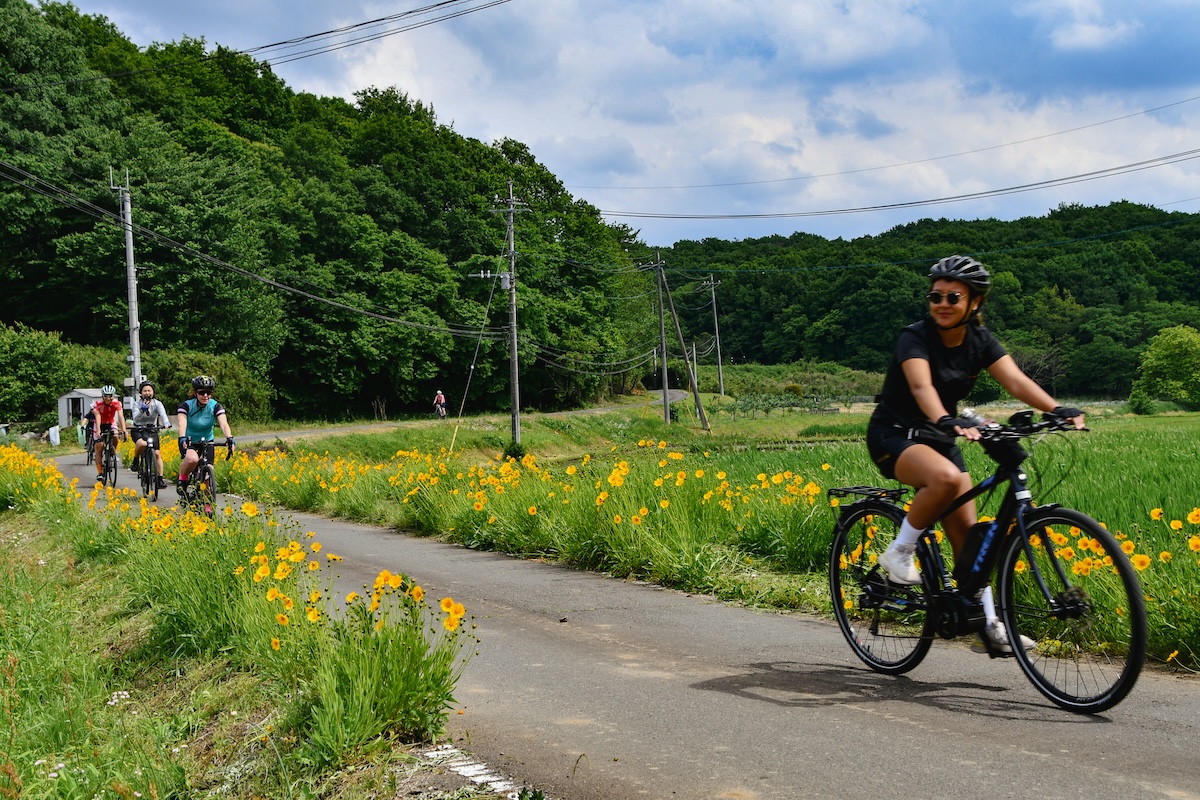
{"x":794,"y":685}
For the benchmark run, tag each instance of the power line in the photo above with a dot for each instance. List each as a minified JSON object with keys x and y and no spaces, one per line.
{"x":284,"y":46}
{"x":900,"y":163}
{"x":62,"y":196}
{"x":1136,"y":166}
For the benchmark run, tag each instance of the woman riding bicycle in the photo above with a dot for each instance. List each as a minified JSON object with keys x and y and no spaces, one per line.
{"x":109,"y":416}
{"x":911,"y":433}
{"x":197,"y":416}
{"x":149,"y":417}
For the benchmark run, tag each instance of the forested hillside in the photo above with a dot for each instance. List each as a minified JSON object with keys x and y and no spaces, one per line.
{"x":1078,"y":293}
{"x":375,"y":206}
{"x":332,"y":247}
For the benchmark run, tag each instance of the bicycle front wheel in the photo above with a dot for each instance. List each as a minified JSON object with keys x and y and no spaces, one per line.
{"x":139,"y":466}
{"x":206,"y":489}
{"x":887,"y":626}
{"x":110,"y":468}
{"x":1089,"y":630}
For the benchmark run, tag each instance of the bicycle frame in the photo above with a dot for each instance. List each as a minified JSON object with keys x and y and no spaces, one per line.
{"x":1010,"y":520}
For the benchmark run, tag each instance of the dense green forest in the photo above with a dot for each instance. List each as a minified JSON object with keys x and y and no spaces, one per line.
{"x":332,"y":248}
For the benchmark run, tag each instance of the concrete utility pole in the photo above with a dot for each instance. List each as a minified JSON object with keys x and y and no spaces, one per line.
{"x":135,"y":328}
{"x":712,"y":285}
{"x":683,"y":348}
{"x":662,"y":337}
{"x":511,"y":281}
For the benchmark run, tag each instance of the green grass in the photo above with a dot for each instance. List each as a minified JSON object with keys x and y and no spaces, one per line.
{"x":760,"y":532}
{"x":140,"y":645}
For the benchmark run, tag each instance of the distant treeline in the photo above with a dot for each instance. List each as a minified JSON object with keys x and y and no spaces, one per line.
{"x":334,"y":250}
{"x":1078,"y":293}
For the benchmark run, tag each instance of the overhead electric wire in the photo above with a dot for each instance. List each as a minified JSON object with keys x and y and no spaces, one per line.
{"x":284,"y":45}
{"x":1136,"y":166}
{"x":69,"y":199}
{"x":913,"y":162}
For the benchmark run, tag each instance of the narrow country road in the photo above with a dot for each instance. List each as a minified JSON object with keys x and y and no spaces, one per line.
{"x":592,"y":688}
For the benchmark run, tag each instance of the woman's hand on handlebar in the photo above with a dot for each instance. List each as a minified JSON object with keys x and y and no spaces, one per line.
{"x":1067,"y":413}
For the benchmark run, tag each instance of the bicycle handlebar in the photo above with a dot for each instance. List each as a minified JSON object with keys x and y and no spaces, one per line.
{"x":1022,"y":426}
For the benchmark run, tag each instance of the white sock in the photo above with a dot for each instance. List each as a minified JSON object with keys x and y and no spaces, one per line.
{"x":908,"y":535}
{"x":989,"y":605}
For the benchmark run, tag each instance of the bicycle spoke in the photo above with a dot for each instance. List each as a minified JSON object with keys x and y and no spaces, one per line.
{"x":885,"y":624}
{"x":1090,"y":636}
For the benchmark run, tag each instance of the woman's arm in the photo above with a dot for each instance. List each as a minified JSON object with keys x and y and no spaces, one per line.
{"x":920,"y":382}
{"x":1021,"y":386}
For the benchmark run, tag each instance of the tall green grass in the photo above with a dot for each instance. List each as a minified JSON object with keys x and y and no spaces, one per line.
{"x":718,"y":512}
{"x":241,"y":588}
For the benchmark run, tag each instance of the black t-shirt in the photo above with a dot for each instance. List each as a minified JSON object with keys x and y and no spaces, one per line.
{"x":954,"y":370}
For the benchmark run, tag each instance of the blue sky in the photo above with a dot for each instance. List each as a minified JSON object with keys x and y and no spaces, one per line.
{"x":791,"y":111}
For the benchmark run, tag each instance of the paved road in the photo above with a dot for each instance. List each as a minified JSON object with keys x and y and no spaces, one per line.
{"x":593,"y":688}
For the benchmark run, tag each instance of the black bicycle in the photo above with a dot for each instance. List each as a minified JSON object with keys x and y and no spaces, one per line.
{"x":89,"y":446}
{"x":145,"y":465}
{"x":200,"y":492}
{"x":108,"y":458}
{"x":1064,"y":582}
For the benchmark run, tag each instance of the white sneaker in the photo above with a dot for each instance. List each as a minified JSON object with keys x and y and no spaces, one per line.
{"x":997,"y":635}
{"x":899,"y":563}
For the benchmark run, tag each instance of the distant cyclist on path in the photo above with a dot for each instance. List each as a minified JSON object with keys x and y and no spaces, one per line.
{"x":108,"y":415}
{"x":197,"y":416}
{"x":149,"y":417}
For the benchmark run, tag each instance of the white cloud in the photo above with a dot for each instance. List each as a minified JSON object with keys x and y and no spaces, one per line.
{"x":799,"y":104}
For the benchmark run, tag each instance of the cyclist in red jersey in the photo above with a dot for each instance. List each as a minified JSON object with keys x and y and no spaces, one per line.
{"x":109,"y":414}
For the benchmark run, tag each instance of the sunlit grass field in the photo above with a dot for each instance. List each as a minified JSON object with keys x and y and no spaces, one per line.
{"x":139,"y":644}
{"x":740,"y":511}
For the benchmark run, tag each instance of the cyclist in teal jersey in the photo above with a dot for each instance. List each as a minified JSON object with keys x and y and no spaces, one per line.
{"x":197,"y":417}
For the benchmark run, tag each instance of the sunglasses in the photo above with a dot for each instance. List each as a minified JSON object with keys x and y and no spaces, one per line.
{"x":202,"y":392}
{"x":952,"y":298}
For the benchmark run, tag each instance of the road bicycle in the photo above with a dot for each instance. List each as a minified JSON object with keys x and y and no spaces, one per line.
{"x":1063,"y":581}
{"x":440,"y":409}
{"x":89,"y":446}
{"x":145,"y":465}
{"x":108,"y":458}
{"x":200,"y":492}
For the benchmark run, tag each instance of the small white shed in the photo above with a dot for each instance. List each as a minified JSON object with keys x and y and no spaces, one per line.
{"x":74,"y":404}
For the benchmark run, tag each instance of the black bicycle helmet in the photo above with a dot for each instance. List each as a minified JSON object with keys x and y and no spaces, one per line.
{"x":965,"y":269}
{"x":203,"y":383}
{"x":144,"y":384}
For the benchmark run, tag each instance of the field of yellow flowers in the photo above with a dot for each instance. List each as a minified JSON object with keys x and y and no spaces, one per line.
{"x":746,"y":523}
{"x":240,"y":587}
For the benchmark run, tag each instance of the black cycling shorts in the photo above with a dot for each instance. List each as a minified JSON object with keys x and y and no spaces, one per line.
{"x":885,"y":443}
{"x":150,"y":434}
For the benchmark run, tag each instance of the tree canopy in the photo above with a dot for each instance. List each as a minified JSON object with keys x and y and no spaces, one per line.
{"x":335,"y":249}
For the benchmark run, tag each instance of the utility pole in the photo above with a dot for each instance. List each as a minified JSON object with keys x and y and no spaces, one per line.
{"x":509,"y":281}
{"x":683,"y":348}
{"x":135,"y":335}
{"x":662,"y":337}
{"x":712,"y":285}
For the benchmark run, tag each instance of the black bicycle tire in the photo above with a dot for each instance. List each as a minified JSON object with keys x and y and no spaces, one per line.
{"x":206,"y":489}
{"x":1101,"y":668}
{"x":872,"y":636}
{"x":151,"y":464}
{"x":110,"y":467}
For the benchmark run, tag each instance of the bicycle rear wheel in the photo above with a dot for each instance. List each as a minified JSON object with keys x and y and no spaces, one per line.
{"x":206,"y":489}
{"x":887,"y":626}
{"x":1091,"y":636}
